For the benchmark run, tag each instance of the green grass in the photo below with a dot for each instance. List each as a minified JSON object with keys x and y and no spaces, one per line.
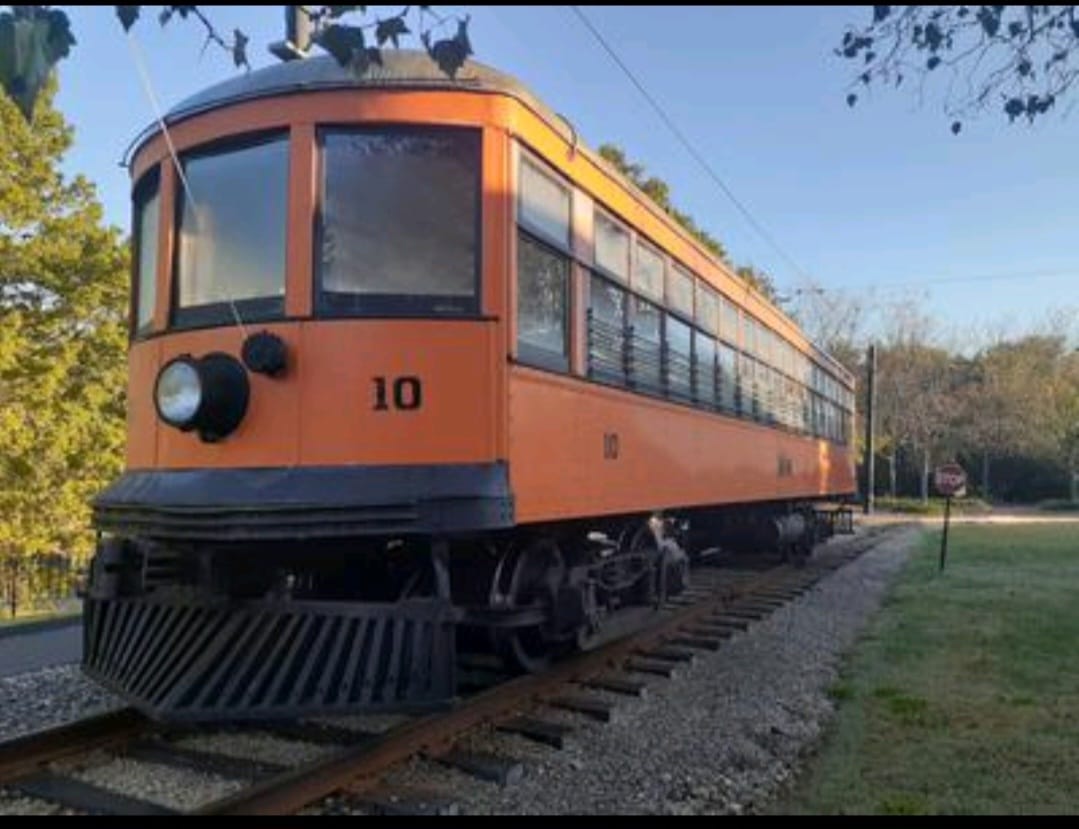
{"x":964,"y":695}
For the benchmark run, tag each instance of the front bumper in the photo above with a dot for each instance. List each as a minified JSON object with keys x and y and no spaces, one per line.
{"x":299,"y":503}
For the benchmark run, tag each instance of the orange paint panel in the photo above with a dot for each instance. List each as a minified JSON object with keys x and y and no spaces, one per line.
{"x":142,"y":360}
{"x":267,"y":436}
{"x":668,"y":455}
{"x":454,"y":364}
{"x":301,"y":222}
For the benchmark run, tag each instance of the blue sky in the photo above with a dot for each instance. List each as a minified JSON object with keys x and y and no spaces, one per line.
{"x":877,"y":198}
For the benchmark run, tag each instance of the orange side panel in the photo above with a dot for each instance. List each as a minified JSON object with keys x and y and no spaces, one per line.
{"x":344,"y":360}
{"x":143,"y":360}
{"x":668,"y":455}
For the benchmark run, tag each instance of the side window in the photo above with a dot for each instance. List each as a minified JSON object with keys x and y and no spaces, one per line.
{"x":542,"y":305}
{"x":607,"y":331}
{"x":646,"y":347}
{"x":707,"y":309}
{"x":680,"y":291}
{"x":728,"y":322}
{"x":544,"y":205}
{"x":543,"y":269}
{"x":612,"y":247}
{"x":648,"y":272}
{"x":147,"y":215}
{"x":728,"y":378}
{"x":704,"y":352}
{"x":679,"y":352}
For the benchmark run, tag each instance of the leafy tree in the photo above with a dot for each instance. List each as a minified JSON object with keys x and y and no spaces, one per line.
{"x":1017,"y":58}
{"x":660,"y":192}
{"x":33,"y":39}
{"x":63,"y":340}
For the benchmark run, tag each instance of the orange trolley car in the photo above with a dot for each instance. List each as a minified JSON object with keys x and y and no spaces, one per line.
{"x":412,"y":369}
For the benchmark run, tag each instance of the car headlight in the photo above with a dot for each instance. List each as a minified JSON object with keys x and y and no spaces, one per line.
{"x":209,"y":394}
{"x":178,"y":394}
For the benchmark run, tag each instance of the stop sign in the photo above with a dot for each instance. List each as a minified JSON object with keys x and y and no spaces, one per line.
{"x":950,"y":480}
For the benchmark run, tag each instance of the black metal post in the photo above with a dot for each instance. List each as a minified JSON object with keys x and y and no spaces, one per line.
{"x":870,"y":454}
{"x":944,"y":536}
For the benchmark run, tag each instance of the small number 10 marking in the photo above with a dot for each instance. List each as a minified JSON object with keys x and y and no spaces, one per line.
{"x":407,"y":394}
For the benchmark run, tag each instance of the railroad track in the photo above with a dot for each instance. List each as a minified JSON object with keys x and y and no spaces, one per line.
{"x":349,"y":760}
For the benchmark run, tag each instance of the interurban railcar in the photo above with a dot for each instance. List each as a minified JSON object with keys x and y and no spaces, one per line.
{"x":413,"y":369}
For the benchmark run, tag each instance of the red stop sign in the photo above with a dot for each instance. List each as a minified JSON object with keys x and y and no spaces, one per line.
{"x":950,"y":479}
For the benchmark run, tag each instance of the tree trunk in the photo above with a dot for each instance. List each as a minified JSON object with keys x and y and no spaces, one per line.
{"x":1073,"y":488}
{"x":892,"y":475}
{"x":925,"y":475}
{"x":985,"y":474}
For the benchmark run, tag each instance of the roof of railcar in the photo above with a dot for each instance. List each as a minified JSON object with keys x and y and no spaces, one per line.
{"x":410,"y":69}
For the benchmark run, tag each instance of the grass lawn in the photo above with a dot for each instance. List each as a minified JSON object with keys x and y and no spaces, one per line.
{"x":964,"y":696}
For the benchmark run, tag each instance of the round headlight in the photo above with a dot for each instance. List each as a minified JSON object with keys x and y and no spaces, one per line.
{"x":178,"y":394}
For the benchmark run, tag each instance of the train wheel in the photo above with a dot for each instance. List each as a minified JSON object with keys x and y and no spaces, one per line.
{"x":527,"y":577}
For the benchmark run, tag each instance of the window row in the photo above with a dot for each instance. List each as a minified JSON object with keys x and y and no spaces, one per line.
{"x":634,"y":344}
{"x":654,"y":327}
{"x":397,"y":227}
{"x":627,"y":259}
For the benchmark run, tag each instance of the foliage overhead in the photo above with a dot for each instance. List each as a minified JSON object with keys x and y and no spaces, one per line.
{"x":1017,"y":58}
{"x":63,"y":339}
{"x":33,"y":39}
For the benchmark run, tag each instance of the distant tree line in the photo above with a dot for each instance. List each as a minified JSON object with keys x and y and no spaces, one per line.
{"x":1007,"y":409}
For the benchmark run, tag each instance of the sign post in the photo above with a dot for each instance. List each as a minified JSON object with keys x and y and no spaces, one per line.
{"x":951,"y":482}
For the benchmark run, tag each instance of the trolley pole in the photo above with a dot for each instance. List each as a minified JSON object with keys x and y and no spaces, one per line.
{"x":870,"y":454}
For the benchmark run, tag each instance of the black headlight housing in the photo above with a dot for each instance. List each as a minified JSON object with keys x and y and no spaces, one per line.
{"x":215,"y":392}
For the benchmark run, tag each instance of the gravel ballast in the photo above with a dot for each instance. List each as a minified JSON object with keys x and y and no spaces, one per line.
{"x":723,"y":738}
{"x":49,"y":697}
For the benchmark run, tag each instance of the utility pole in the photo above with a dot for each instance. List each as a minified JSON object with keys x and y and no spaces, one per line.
{"x":870,"y":455}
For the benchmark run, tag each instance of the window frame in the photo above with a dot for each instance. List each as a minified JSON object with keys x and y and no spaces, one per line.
{"x":150,"y":181}
{"x":253,"y":309}
{"x":393,"y":306}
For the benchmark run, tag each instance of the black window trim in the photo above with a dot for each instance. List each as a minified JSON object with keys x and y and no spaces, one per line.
{"x":250,"y":310}
{"x":150,"y":181}
{"x":392,"y":306}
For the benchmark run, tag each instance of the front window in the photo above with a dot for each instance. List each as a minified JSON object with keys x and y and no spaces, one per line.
{"x":147,"y":210}
{"x":399,"y":230}
{"x":232,"y":230}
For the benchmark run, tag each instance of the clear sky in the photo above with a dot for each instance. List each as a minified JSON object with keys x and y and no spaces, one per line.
{"x":880,"y":197}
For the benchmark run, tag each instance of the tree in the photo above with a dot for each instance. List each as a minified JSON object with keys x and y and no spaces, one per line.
{"x":33,"y":39}
{"x":63,"y":339}
{"x":660,"y":193}
{"x":1014,"y":57}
